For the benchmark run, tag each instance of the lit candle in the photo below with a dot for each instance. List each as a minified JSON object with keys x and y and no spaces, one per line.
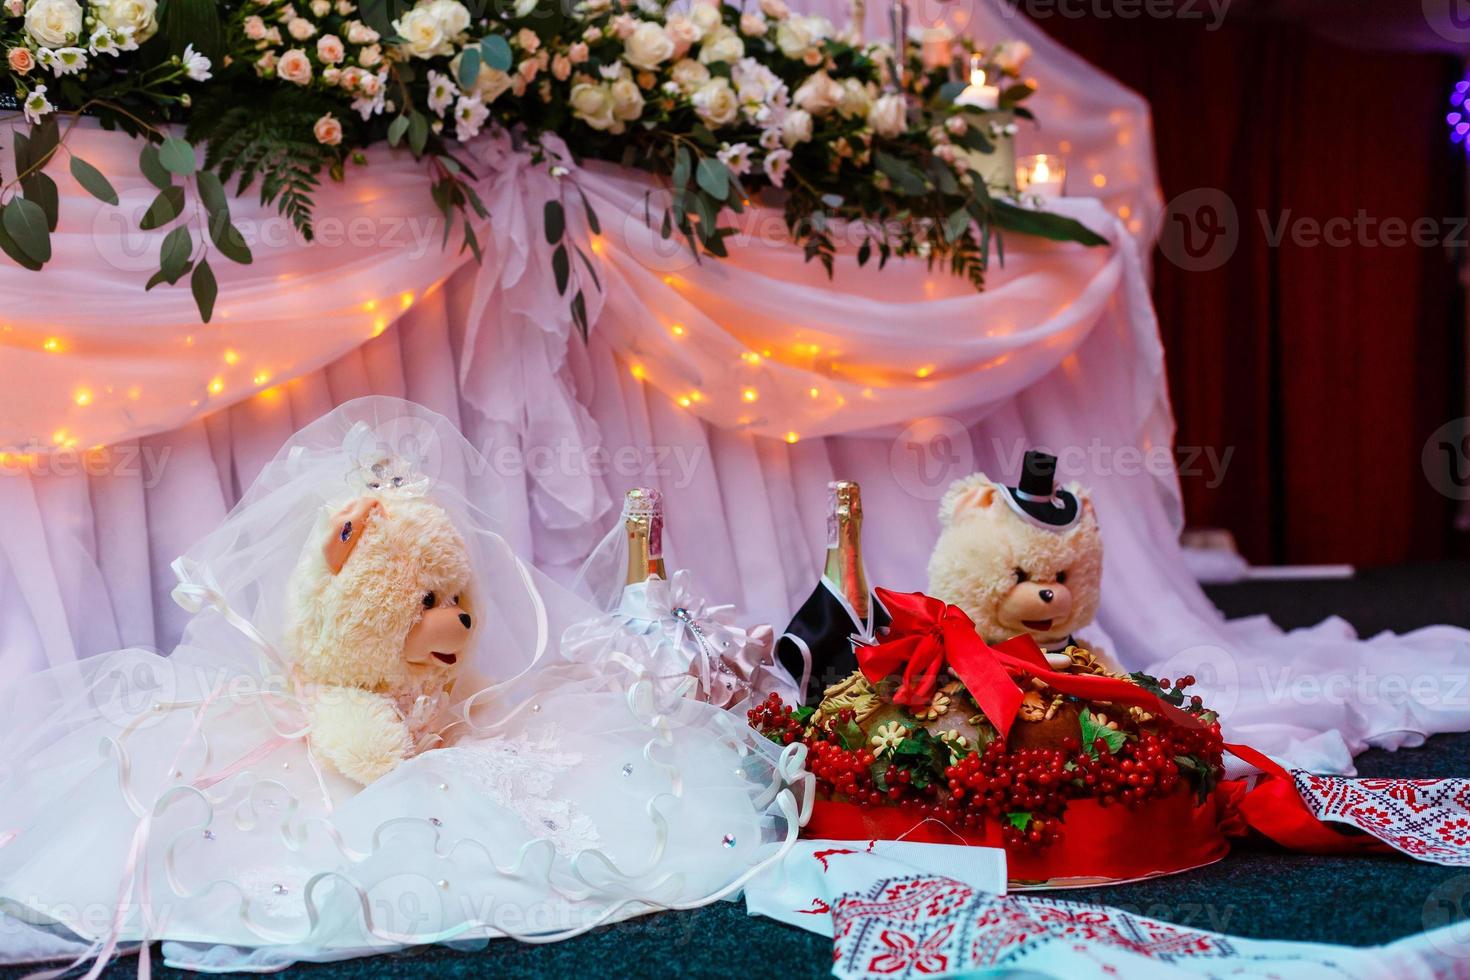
{"x":978,"y":95}
{"x":1042,"y":174}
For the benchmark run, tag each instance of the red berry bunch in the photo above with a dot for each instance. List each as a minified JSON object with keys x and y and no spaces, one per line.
{"x":775,"y":720}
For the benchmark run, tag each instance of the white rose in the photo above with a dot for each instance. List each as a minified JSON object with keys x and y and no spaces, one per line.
{"x":797,"y":35}
{"x":796,"y":127}
{"x":593,"y":104}
{"x":716,"y":102}
{"x":722,"y":44}
{"x":300,"y":28}
{"x":753,"y":25}
{"x":888,"y":115}
{"x":627,"y":99}
{"x":1009,"y":56}
{"x":453,"y":16}
{"x":819,"y":94}
{"x":775,"y":9}
{"x":489,"y":85}
{"x":54,"y":23}
{"x":855,"y":99}
{"x":140,"y":15}
{"x":423,"y":33}
{"x":706,"y":16}
{"x":648,"y":46}
{"x":320,"y":8}
{"x":689,"y":74}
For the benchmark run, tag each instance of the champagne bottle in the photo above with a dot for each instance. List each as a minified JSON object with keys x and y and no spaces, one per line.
{"x":844,"y":567}
{"x":643,"y":522}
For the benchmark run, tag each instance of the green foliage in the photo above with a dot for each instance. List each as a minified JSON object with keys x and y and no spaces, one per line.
{"x":270,"y":144}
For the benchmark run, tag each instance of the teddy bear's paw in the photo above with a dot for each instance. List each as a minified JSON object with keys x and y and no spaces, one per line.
{"x":359,"y":734}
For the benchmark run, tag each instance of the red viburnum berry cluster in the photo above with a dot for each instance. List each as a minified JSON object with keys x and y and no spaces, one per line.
{"x":775,"y":720}
{"x":1025,"y":790}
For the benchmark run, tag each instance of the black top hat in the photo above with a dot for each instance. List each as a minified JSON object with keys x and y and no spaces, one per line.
{"x":1037,"y":496}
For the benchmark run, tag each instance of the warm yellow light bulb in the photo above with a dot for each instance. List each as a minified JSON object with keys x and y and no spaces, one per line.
{"x":370,"y":305}
{"x":52,"y":345}
{"x":216,"y":386}
{"x":232,"y":357}
{"x":83,"y":397}
{"x":815,"y":392}
{"x":750,"y":357}
{"x":260,"y":378}
{"x":750,"y":394}
{"x":677,"y":330}
{"x":1099,"y":180}
{"x":638,"y":372}
{"x":379,"y":325}
{"x":792,"y":437}
{"x":685,"y":401}
{"x":405,"y":301}
{"x":925,"y":371}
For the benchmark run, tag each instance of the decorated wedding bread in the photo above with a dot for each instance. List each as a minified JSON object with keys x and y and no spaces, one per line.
{"x":980,"y":715}
{"x":371,"y":737}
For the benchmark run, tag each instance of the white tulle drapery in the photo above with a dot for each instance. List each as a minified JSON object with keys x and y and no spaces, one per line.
{"x":917,"y":380}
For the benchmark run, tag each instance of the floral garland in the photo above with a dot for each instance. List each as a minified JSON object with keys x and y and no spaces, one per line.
{"x":725,"y":103}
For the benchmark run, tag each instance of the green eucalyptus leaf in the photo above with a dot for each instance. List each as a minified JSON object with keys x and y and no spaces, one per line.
{"x":397,"y":129}
{"x":228,"y":240}
{"x":12,"y":248}
{"x":177,"y":157}
{"x":469,"y":67}
{"x":39,"y":187}
{"x":26,"y":224}
{"x":212,"y":193}
{"x":93,"y":181}
{"x":495,"y":50}
{"x":153,"y":168}
{"x":167,"y":206}
{"x":1044,"y":224}
{"x":173,"y":257}
{"x":714,"y":178}
{"x":205,"y":289}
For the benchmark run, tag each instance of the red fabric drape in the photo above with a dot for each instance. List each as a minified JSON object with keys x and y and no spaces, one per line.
{"x":1323,"y":369}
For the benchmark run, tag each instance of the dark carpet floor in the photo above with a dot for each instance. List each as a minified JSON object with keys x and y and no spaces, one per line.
{"x":1258,"y":891}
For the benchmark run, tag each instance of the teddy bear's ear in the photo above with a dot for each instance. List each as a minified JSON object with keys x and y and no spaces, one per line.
{"x":346,"y":530}
{"x":967,"y":495}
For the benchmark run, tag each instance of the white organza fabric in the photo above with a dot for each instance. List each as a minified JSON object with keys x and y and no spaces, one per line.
{"x":177,"y":799}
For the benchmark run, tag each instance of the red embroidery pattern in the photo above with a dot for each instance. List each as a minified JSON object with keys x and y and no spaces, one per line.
{"x":1428,"y":819}
{"x":921,"y":926}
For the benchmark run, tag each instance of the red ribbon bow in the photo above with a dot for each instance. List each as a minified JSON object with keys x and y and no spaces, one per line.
{"x":928,"y":636}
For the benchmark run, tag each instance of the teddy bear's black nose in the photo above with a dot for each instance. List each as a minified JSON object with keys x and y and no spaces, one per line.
{"x":1047,"y":595}
{"x":465,"y":618}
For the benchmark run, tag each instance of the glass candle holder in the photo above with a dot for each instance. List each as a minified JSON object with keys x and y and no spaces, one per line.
{"x":1042,"y":174}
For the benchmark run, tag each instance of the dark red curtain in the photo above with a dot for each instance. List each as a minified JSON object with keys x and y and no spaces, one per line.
{"x":1322,"y":366}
